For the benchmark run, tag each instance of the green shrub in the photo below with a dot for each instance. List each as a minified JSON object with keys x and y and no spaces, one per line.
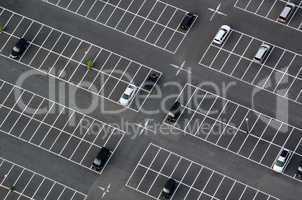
{"x":2,"y":28}
{"x":89,"y":64}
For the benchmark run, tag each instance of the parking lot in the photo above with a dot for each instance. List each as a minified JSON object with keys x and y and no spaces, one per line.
{"x":220,"y":147}
{"x":53,"y":127}
{"x":63,"y":56}
{"x":153,"y":22}
{"x":280,"y":73}
{"x":17,"y":182}
{"x":236,"y":128}
{"x":194,"y":181}
{"x":271,"y":10}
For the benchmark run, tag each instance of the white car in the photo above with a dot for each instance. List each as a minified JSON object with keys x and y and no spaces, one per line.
{"x":128,"y":95}
{"x":282,"y":161}
{"x":222,"y":34}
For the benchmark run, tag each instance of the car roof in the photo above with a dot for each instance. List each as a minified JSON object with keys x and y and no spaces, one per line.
{"x":21,"y":42}
{"x":175,"y":106}
{"x":285,"y":12}
{"x":103,"y":152}
{"x":284,"y":152}
{"x":152,"y":76}
{"x":188,"y":19}
{"x":129,"y":89}
{"x":220,"y":34}
{"x":262,"y":49}
{"x":189,"y":16}
{"x":170,"y":183}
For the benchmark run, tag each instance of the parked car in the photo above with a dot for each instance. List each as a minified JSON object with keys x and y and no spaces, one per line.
{"x":150,"y":81}
{"x":128,"y":95}
{"x":262,"y":53}
{"x":187,"y":21}
{"x":174,"y":112}
{"x":19,"y":48}
{"x":281,"y":161}
{"x":299,"y":171}
{"x":169,"y":189}
{"x":287,"y":12}
{"x":222,"y":34}
{"x":101,"y":159}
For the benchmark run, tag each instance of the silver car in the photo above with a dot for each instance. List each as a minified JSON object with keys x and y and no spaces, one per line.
{"x":222,"y":34}
{"x":286,"y":13}
{"x":262,"y":53}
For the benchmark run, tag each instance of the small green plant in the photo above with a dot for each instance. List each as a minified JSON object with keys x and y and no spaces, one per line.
{"x":89,"y":64}
{"x":2,"y":28}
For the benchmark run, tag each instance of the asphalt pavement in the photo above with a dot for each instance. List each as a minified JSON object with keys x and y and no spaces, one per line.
{"x":236,"y":115}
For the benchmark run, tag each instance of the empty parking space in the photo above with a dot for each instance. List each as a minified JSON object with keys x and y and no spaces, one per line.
{"x":154,"y":22}
{"x":65,"y":57}
{"x":236,"y":128}
{"x":280,"y":73}
{"x":17,"y":182}
{"x":54,"y":127}
{"x":271,"y":9}
{"x":194,"y":181}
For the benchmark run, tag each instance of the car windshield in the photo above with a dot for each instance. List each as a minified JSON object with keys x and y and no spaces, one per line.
{"x":260,"y":52}
{"x":279,"y":163}
{"x":16,"y":49}
{"x":171,"y":114}
{"x":166,"y":190}
{"x":220,"y":34}
{"x":97,"y":161}
{"x":126,"y":96}
{"x":283,"y":153}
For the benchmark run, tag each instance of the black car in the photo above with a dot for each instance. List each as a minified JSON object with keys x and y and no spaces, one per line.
{"x":174,"y":112}
{"x":19,"y":48}
{"x":101,"y":159}
{"x":168,"y":189}
{"x":299,"y":171}
{"x":187,"y":21}
{"x":150,"y":81}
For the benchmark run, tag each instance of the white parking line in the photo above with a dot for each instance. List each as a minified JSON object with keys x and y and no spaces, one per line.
{"x":136,"y":15}
{"x":239,"y":129}
{"x":267,"y":14}
{"x":28,"y":182}
{"x":162,"y":167}
{"x":52,"y":126}
{"x":12,"y":31}
{"x":20,"y":114}
{"x":79,"y":62}
{"x":21,"y":194}
{"x":180,"y":180}
{"x":262,"y":84}
{"x":73,"y":133}
{"x":245,"y":50}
